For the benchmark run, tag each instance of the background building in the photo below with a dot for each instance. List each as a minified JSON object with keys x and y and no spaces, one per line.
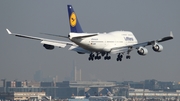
{"x":38,"y":76}
{"x":66,"y":89}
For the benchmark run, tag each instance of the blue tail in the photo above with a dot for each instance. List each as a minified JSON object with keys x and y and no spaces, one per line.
{"x":87,"y":94}
{"x":73,"y":21}
{"x":108,"y":92}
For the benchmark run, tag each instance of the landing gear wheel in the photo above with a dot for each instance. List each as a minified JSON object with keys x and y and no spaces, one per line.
{"x":128,"y":57}
{"x":99,"y":57}
{"x":107,"y":57}
{"x":119,"y":57}
{"x":91,"y":57}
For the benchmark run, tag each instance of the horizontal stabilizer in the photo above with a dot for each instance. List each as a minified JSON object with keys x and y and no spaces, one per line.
{"x":82,"y":35}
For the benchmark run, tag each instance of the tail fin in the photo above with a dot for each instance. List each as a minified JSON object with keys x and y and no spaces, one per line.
{"x":73,"y":21}
{"x":87,"y":94}
{"x":108,"y":92}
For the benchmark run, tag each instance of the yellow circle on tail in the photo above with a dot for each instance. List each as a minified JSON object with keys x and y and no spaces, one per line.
{"x":72,"y":19}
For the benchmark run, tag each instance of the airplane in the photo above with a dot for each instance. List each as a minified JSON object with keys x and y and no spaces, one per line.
{"x":109,"y":93}
{"x":98,"y":45}
{"x":108,"y":97}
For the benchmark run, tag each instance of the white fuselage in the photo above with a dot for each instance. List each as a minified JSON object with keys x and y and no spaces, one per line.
{"x":104,"y":41}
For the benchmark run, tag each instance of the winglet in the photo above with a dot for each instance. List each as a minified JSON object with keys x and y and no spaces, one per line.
{"x":171,"y":34}
{"x":9,"y":32}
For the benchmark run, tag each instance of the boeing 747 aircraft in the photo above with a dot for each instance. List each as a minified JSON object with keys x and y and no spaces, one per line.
{"x":107,"y":97}
{"x":98,"y":45}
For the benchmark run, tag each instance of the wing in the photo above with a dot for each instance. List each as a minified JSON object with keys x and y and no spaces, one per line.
{"x":154,"y":41}
{"x":60,"y":44}
{"x":143,"y":44}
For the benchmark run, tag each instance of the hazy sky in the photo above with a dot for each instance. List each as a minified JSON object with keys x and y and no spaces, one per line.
{"x":147,"y":19}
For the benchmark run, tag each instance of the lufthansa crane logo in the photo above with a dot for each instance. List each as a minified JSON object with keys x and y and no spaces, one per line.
{"x":72,"y":19}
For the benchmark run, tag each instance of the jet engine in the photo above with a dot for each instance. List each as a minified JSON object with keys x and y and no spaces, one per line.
{"x":49,"y":47}
{"x":80,"y":53}
{"x":157,"y":47}
{"x":142,"y":51}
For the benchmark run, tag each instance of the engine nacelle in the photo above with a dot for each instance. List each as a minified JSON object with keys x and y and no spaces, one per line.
{"x":142,"y":51}
{"x":49,"y":47}
{"x":80,"y":53}
{"x":157,"y":47}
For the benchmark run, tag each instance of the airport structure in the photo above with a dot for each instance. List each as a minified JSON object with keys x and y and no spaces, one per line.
{"x":25,"y":96}
{"x":147,"y":89}
{"x":76,"y":89}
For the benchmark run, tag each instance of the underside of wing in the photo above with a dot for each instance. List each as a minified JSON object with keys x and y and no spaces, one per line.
{"x":82,"y":35}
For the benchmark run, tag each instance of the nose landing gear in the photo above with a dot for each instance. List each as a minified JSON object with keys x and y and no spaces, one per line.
{"x":128,"y":57}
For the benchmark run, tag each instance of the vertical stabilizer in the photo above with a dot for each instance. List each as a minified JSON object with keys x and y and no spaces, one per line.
{"x":73,"y":21}
{"x":87,"y":95}
{"x":108,"y":92}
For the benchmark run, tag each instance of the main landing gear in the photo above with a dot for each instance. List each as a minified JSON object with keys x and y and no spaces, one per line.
{"x":107,"y":57}
{"x":128,"y":57}
{"x":97,"y":57}
{"x":92,"y":57}
{"x":119,"y":57}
